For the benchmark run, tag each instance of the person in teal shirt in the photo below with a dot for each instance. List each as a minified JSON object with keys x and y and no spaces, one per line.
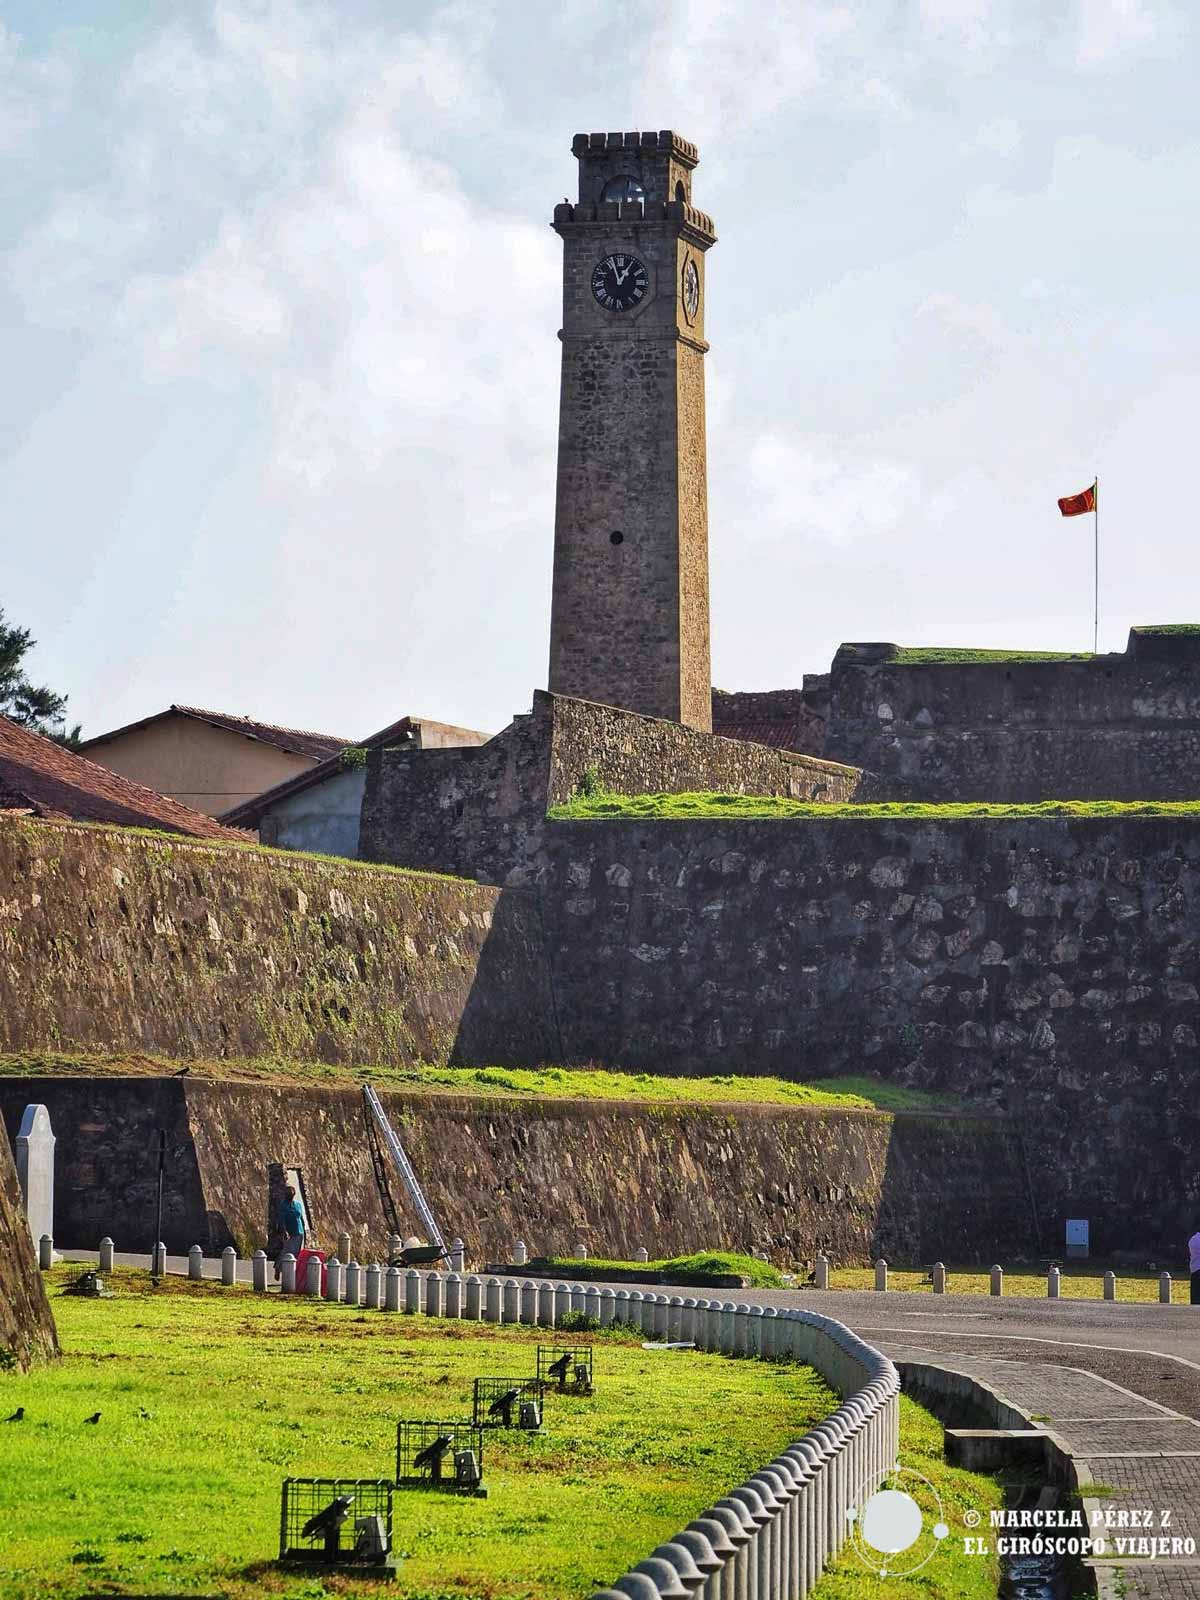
{"x":291,"y":1220}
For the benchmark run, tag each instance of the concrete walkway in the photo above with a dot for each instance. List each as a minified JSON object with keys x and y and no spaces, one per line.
{"x":1117,"y":1385}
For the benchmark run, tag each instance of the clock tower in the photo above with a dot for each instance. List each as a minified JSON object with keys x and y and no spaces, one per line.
{"x":629,"y":616}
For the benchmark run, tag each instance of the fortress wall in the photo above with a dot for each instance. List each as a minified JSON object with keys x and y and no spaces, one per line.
{"x":1114,"y":727}
{"x":27,"y":1331}
{"x":556,"y":1173}
{"x":482,"y":812}
{"x":113,"y":940}
{"x":1047,"y":966}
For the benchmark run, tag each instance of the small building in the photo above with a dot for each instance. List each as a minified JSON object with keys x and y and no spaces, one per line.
{"x":39,"y":778}
{"x":320,"y":809}
{"x":209,"y":760}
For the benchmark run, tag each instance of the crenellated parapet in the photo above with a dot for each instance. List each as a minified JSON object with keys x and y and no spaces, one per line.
{"x":688,"y":219}
{"x":662,"y":142}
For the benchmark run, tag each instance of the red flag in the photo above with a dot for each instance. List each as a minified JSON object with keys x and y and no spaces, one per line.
{"x":1074,"y":505}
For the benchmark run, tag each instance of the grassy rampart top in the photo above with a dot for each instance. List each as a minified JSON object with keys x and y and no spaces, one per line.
{"x":686,"y":807}
{"x":561,"y":1083}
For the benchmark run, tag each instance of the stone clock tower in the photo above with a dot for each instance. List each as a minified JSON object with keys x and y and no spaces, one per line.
{"x":629,"y":618}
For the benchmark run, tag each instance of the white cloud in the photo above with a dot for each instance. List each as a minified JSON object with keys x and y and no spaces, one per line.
{"x":821,"y":487}
{"x":1112,"y":29}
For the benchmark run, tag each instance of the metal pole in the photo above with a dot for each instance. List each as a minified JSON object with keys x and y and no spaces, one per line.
{"x":162,"y":1162}
{"x":1096,"y":565}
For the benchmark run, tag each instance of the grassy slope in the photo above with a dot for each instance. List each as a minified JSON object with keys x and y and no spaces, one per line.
{"x":210,"y":1397}
{"x":952,"y":655}
{"x":760,"y":1274}
{"x":569,"y":1083}
{"x":732,"y":807}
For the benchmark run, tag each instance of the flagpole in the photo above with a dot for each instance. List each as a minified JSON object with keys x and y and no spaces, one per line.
{"x":1096,"y":566}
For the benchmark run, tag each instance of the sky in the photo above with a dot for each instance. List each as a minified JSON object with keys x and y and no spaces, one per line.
{"x":279,"y":304}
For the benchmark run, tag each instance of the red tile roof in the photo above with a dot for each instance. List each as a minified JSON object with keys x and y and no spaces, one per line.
{"x":779,"y":735}
{"x":39,"y":776}
{"x":317,"y":746}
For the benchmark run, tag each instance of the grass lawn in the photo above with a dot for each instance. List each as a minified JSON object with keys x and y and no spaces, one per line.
{"x":209,"y":1397}
{"x":765,"y":808}
{"x":569,"y":1083}
{"x":1077,"y":1283}
{"x":678,"y":1269}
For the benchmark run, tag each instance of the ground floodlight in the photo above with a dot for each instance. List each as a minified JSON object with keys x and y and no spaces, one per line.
{"x":565,"y":1368}
{"x":343,"y":1523}
{"x":507,"y":1403}
{"x":446,"y":1456}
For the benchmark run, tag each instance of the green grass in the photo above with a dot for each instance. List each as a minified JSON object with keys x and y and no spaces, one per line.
{"x":676,"y":1269}
{"x":1170,"y":628}
{"x":1076,"y":1283}
{"x":209,"y":1397}
{"x":686,"y":807}
{"x":951,"y":655}
{"x":562,"y":1083}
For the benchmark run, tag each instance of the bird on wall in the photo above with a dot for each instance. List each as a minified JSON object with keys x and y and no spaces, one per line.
{"x":94,"y":1418}
{"x":17,"y":1416}
{"x":182,"y":1073}
{"x":432,"y":1455}
{"x":502,"y":1406}
{"x":329,"y":1519}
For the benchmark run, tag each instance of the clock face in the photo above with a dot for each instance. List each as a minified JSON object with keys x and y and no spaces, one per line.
{"x":619,"y":282}
{"x":691,"y":289}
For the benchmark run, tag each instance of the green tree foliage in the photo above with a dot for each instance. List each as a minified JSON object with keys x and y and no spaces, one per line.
{"x":25,"y":703}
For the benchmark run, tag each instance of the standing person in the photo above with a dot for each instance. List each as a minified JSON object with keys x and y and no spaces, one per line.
{"x":1194,"y":1265}
{"x":291,"y":1220}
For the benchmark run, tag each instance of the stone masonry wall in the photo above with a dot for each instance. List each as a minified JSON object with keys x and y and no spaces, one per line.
{"x":1115,"y":727}
{"x":553,"y":1172}
{"x":114,"y":940}
{"x":1047,"y":966}
{"x":481,"y":812}
{"x":27,"y":1332}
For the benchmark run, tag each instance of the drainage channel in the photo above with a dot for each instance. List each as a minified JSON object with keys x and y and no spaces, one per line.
{"x":986,"y":1434}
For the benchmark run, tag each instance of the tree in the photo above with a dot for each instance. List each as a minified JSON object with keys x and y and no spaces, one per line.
{"x":24,"y":703}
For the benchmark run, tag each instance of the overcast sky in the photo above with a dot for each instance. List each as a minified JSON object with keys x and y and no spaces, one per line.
{"x":278,"y":305}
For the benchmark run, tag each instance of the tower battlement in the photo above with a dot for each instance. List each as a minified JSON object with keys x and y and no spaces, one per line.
{"x":662,"y":142}
{"x":684,"y":216}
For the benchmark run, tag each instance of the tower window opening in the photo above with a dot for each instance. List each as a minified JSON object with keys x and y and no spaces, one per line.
{"x":616,"y":537}
{"x":680,"y":192}
{"x":623,"y":188}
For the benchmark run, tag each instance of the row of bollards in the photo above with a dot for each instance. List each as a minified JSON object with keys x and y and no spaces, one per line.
{"x":937,"y":1280}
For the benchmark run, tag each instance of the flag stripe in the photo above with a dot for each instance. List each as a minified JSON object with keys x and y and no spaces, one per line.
{"x":1074,"y":505}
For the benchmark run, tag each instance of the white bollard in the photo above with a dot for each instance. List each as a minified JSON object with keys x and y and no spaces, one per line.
{"x":579,"y":1297}
{"x":374,"y":1286}
{"x":228,"y":1266}
{"x":392,"y":1290}
{"x":45,"y":1252}
{"x":881,"y":1275}
{"x":821,"y":1272}
{"x":312,"y":1277}
{"x":591,"y":1303}
{"x":195,"y":1262}
{"x":493,"y":1304}
{"x":641,"y":1253}
{"x":545,"y":1305}
{"x":454,"y":1286}
{"x":353,"y":1284}
{"x":287,"y":1273}
{"x":474,"y":1298}
{"x":529,"y":1303}
{"x":520,"y":1255}
{"x":1053,"y":1283}
{"x":335,"y":1281}
{"x":608,"y":1306}
{"x":511,"y":1298}
{"x":412,"y":1290}
{"x":106,"y":1254}
{"x":258,"y":1266}
{"x":158,"y":1260}
{"x":996,"y":1286}
{"x":581,"y":1252}
{"x":1110,"y":1286}
{"x":458,"y":1257}
{"x":433,"y":1294}
{"x":395,"y":1245}
{"x":939,"y":1277}
{"x":343,"y":1249}
{"x":1164,"y":1288}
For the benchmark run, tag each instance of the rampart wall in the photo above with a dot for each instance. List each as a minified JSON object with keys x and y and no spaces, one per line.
{"x":1113,"y":727}
{"x":482,"y":812}
{"x":1048,"y":967}
{"x":556,"y":1173}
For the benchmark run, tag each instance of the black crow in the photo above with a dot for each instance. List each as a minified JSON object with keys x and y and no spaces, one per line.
{"x":432,"y":1454}
{"x":17,"y":1416}
{"x":182,"y":1073}
{"x":558,"y":1369}
{"x":812,"y":1278}
{"x":95,"y":1417}
{"x":502,"y":1406}
{"x":328,"y":1520}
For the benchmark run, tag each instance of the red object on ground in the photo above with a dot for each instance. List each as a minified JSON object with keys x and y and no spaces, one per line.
{"x":302,"y":1261}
